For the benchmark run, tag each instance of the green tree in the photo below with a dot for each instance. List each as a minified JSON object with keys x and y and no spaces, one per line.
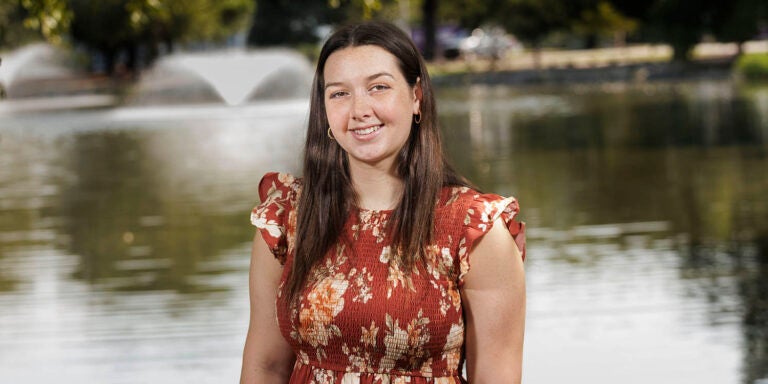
{"x":739,"y":20}
{"x":532,"y":20}
{"x":111,"y":27}
{"x":291,"y":22}
{"x":49,"y":17}
{"x":683,"y":23}
{"x":12,"y":30}
{"x":602,"y":19}
{"x":469,"y":14}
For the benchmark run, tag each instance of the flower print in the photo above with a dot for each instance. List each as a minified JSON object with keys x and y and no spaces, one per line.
{"x":453,"y":344}
{"x":362,"y":282}
{"x":397,"y":340}
{"x":449,"y":295}
{"x":426,"y":367}
{"x":368,"y":336}
{"x":456,"y":192}
{"x":447,"y":258}
{"x":405,"y":343}
{"x":271,"y":226}
{"x":323,"y":376}
{"x":303,"y":357}
{"x":286,"y":178}
{"x":382,"y":378}
{"x":396,"y":277}
{"x":373,"y":221}
{"x":357,"y":358}
{"x":325,"y":302}
{"x":454,"y":295}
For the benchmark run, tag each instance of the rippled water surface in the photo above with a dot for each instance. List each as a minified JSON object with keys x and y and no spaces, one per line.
{"x":124,"y":233}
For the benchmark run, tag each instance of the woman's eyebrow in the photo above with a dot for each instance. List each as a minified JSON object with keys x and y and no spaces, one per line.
{"x":368,"y":78}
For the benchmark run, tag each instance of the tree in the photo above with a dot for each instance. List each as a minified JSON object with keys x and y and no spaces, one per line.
{"x":12,"y":30}
{"x":738,"y":20}
{"x":428,"y":17}
{"x":602,"y":19}
{"x":49,"y":17}
{"x":683,"y":23}
{"x":281,"y":22}
{"x":112,"y":27}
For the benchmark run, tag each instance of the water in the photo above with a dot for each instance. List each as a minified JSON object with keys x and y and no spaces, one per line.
{"x":124,"y":234}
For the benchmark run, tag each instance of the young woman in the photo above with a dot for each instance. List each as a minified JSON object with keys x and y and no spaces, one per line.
{"x":381,"y":265}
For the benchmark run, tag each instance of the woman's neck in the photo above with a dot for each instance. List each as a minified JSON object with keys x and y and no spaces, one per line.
{"x":377,"y":188}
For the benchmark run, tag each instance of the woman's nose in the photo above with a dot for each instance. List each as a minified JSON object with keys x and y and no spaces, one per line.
{"x":361,"y":108}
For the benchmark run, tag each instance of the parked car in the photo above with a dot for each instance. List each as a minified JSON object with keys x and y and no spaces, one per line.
{"x":491,"y":43}
{"x":448,"y":39}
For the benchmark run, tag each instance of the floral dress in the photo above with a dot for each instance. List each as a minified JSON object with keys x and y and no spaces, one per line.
{"x":361,"y":319}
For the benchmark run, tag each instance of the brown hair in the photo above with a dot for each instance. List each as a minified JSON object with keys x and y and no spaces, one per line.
{"x":327,"y":194}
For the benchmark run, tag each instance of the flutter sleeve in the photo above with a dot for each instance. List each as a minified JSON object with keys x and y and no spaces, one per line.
{"x":481,"y":214}
{"x":272,"y":215}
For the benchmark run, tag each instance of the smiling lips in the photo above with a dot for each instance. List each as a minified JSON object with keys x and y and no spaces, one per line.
{"x":366,"y":130}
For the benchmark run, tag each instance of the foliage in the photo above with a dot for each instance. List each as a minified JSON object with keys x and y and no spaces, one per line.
{"x":114,"y":26}
{"x":753,"y":66}
{"x":603,"y":19}
{"x":683,"y":23}
{"x":189,"y":20}
{"x":738,"y":20}
{"x":292,"y":22}
{"x":50,"y":17}
{"x":466,"y":13}
{"x":531,"y":20}
{"x":299,"y":22}
{"x":12,"y":32}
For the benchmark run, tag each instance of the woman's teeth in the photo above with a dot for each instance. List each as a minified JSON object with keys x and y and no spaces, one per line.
{"x":368,"y":131}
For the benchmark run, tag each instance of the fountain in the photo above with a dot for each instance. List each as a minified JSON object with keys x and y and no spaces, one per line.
{"x":234,"y":77}
{"x":33,"y":63}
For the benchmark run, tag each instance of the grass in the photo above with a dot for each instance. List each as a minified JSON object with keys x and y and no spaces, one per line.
{"x":753,"y":66}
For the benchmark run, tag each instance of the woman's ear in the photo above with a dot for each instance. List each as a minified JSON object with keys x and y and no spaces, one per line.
{"x":417,"y":96}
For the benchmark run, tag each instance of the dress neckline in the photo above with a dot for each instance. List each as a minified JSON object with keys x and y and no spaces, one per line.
{"x":378,"y":211}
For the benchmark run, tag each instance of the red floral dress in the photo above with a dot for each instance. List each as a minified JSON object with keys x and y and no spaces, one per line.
{"x":362,"y":319}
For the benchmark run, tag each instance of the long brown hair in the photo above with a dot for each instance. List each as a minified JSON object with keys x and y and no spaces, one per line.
{"x":327,"y":194}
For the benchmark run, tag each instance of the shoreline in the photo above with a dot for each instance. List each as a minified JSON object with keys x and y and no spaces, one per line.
{"x":713,"y":69}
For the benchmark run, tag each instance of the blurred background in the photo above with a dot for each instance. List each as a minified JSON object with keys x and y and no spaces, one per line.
{"x":133,"y":134}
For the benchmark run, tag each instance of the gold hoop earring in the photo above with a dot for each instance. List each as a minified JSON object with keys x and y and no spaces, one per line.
{"x":330,"y":135}
{"x":417,"y":119}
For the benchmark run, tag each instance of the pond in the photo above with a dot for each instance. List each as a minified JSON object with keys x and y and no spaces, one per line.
{"x":124,"y":234}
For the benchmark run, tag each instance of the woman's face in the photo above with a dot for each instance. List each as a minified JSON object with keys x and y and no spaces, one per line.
{"x":369,"y":104}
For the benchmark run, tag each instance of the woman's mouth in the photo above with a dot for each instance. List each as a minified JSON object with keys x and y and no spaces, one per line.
{"x":367,"y":130}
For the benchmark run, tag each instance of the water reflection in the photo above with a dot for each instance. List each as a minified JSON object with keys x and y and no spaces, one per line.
{"x":124,"y":235}
{"x":618,"y":180}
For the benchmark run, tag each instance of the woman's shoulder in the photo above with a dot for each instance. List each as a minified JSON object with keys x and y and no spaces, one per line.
{"x":465,"y":197}
{"x":279,"y":186}
{"x":475,"y":212}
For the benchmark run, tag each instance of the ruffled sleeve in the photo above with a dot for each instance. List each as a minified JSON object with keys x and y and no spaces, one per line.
{"x":271,"y":217}
{"x":482,"y":212}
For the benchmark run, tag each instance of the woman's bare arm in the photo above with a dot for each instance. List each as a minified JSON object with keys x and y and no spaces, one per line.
{"x":494,"y":304}
{"x":267,"y":357}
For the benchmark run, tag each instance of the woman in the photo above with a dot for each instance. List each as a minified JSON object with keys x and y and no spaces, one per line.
{"x":373,"y":246}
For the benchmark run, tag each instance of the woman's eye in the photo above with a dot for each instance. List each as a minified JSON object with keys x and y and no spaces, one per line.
{"x":379,"y":87}
{"x":336,"y":94}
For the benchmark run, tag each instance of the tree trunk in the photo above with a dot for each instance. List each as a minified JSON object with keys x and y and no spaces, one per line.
{"x":132,"y":60}
{"x":681,"y":53}
{"x":590,"y":41}
{"x":536,"y":52}
{"x":110,"y":57}
{"x":429,"y":15}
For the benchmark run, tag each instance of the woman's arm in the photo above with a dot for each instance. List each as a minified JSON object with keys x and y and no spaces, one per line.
{"x":494,"y":305}
{"x":267,"y":357}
